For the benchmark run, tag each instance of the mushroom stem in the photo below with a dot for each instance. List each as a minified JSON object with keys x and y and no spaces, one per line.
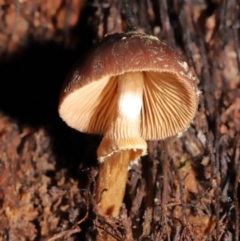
{"x":112,"y":181}
{"x":123,"y":132}
{"x":122,"y":143}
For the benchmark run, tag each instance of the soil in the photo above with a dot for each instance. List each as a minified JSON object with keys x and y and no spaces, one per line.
{"x":187,"y":188}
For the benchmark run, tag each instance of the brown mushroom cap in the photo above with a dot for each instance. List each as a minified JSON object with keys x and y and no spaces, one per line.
{"x":169,"y":96}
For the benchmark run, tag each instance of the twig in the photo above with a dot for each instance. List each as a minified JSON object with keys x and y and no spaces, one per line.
{"x":165,"y":174}
{"x":64,"y":233}
{"x":167,"y":31}
{"x":205,"y":75}
{"x":129,"y":16}
{"x":181,"y":191}
{"x":74,"y":229}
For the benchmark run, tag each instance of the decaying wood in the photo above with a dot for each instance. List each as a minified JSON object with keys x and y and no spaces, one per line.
{"x":187,"y":188}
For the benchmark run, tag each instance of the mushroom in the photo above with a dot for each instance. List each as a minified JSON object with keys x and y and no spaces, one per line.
{"x":129,"y":88}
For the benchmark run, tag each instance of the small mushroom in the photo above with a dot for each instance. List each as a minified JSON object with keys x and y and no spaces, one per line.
{"x":129,"y":88}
